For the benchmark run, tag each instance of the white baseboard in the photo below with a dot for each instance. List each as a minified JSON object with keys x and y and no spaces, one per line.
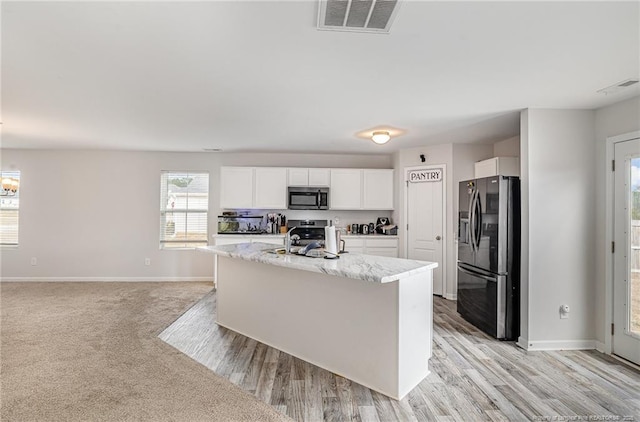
{"x":104,"y":279}
{"x":601,"y":347}
{"x":522,"y":343}
{"x":451,"y":296}
{"x":557,"y":345}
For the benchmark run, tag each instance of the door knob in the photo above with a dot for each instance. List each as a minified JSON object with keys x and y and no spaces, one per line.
{"x":438,"y":238}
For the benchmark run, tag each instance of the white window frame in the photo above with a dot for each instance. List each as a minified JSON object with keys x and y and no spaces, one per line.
{"x":9,"y":201}
{"x":168,"y":211}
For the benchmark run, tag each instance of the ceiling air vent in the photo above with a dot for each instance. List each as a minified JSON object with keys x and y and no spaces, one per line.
{"x":357,"y":15}
{"x":618,"y":87}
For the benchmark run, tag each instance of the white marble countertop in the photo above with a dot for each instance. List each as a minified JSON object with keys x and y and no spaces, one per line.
{"x":248,"y":234}
{"x":379,"y":269}
{"x":350,"y":236}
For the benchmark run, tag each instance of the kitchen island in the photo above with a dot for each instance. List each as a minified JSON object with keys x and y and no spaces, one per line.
{"x":366,"y":318}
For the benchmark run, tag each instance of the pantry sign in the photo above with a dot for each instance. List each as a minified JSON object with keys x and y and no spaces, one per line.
{"x":421,"y":176}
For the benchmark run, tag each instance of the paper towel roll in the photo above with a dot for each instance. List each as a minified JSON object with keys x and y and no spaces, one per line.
{"x":330,"y":244}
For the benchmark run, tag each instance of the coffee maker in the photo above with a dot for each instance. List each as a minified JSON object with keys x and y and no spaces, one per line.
{"x":381,"y":222}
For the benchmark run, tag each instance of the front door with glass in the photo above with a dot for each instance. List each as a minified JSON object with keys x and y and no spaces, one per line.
{"x":626,"y":260}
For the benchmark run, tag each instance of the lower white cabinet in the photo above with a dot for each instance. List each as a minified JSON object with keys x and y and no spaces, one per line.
{"x":381,"y":246}
{"x":353,"y":245}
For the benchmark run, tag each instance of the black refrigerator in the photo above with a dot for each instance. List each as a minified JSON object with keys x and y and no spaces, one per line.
{"x":489,"y":255}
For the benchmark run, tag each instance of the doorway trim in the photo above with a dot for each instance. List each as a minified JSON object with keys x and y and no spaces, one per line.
{"x":445,"y":293}
{"x":607,"y":347}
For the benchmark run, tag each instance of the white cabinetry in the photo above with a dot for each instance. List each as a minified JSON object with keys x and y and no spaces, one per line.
{"x":504,"y":166}
{"x":319,"y":177}
{"x":270,"y":188}
{"x":236,"y":187}
{"x":382,"y":247}
{"x":266,"y":187}
{"x":346,"y":189}
{"x":298,"y":177}
{"x":353,"y":245}
{"x":362,"y":189}
{"x":253,"y":187}
{"x":374,"y":245}
{"x":377,"y":189}
{"x":309,"y":177}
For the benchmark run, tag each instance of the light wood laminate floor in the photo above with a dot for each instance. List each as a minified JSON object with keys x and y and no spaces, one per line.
{"x":473,"y":377}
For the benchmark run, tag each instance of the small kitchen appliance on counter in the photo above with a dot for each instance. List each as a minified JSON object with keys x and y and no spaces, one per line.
{"x":380,"y":222}
{"x":389,"y":229}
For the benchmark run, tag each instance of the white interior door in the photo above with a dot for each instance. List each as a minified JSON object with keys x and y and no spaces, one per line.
{"x":425,"y":218}
{"x":626,"y":259}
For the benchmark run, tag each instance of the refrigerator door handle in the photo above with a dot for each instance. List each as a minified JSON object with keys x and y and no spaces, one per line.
{"x":474,"y":274}
{"x":478,"y":213}
{"x":472,"y":221}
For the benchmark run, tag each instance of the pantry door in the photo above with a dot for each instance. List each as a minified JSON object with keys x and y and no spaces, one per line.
{"x":626,"y":251}
{"x":425,"y":217}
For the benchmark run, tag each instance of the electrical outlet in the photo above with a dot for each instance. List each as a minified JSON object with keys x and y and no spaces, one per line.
{"x":564,"y":311}
{"x":147,"y":261}
{"x":34,"y":261}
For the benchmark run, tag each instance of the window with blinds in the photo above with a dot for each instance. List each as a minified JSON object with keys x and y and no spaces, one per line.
{"x":184,"y":206}
{"x":9,"y":207}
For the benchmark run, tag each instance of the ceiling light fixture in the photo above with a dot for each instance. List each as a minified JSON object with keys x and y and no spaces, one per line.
{"x":380,"y":137}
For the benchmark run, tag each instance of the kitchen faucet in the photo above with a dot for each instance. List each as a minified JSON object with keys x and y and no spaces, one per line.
{"x":287,"y":241}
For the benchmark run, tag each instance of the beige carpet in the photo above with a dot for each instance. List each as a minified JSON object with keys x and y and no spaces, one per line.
{"x":90,"y":352}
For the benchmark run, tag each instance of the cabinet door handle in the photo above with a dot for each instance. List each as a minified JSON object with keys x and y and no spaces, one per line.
{"x":438,"y":238}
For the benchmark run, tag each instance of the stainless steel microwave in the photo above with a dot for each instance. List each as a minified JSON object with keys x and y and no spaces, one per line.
{"x":308,"y":198}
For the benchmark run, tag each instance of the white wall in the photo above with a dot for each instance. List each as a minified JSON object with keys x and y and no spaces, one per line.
{"x":95,"y":214}
{"x":558,"y":147}
{"x":617,"y":119}
{"x":507,"y":148}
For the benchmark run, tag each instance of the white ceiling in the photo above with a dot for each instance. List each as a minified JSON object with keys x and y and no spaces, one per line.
{"x":259,"y":76}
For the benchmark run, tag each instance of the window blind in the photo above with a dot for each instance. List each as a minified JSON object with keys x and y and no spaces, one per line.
{"x":9,"y":207}
{"x":184,"y":207}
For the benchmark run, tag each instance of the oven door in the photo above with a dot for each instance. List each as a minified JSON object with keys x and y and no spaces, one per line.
{"x":482,"y":299}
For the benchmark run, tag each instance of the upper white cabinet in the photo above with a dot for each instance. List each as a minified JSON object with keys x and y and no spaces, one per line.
{"x":361,"y":189}
{"x":266,"y":187}
{"x":270,"y":188}
{"x":298,"y":177}
{"x":346,"y":189}
{"x":377,"y":190}
{"x":309,"y":177}
{"x":504,"y":166}
{"x":236,"y":187}
{"x":319,"y":177}
{"x":253,"y":187}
